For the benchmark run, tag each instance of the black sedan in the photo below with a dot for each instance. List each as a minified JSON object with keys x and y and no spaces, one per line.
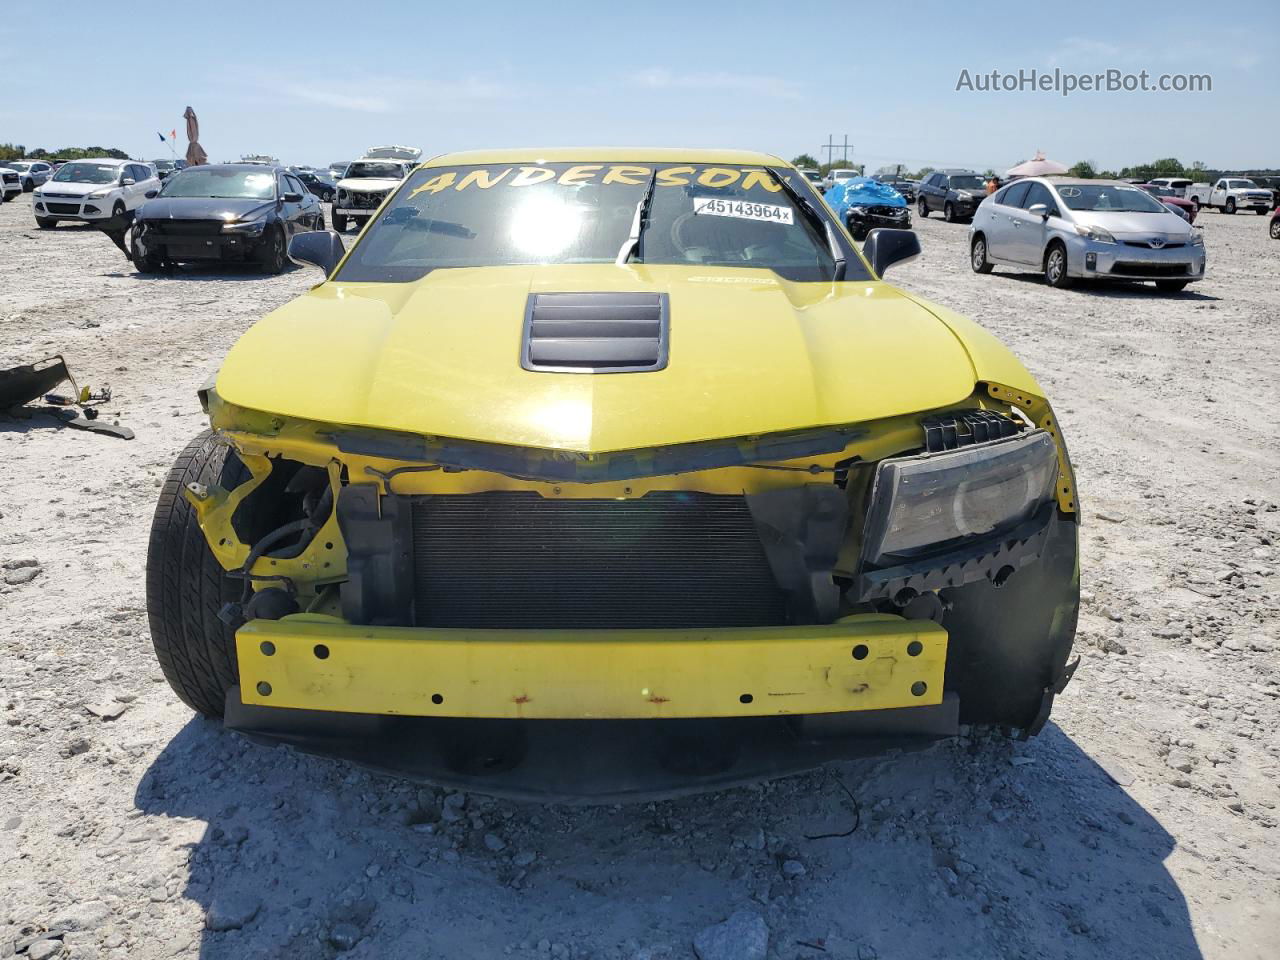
{"x":227,"y":212}
{"x":318,"y":185}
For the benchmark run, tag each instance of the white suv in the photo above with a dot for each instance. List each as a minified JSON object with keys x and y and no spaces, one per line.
{"x":10,"y":183}
{"x":33,"y":172}
{"x":88,"y":190}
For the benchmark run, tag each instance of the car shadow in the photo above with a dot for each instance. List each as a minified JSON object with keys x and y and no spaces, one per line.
{"x":1119,"y":289}
{"x":1006,"y":850}
{"x":212,"y":271}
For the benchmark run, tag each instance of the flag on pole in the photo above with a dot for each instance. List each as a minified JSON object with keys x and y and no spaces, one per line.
{"x":173,"y":134}
{"x":161,"y":136}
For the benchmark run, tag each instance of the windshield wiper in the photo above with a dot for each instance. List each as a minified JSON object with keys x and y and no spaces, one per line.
{"x":641,"y":220}
{"x":809,"y":210}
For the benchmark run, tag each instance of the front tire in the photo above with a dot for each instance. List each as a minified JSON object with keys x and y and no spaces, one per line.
{"x":1260,"y":212}
{"x":187,"y":587}
{"x":1055,"y":266}
{"x":340,"y":223}
{"x":948,"y":212}
{"x":1231,"y":205}
{"x":28,"y":185}
{"x":922,"y":209}
{"x":1275,"y":229}
{"x":978,"y":255}
{"x":273,"y":254}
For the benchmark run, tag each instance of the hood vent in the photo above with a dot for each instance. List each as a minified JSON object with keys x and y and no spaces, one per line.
{"x":595,"y":333}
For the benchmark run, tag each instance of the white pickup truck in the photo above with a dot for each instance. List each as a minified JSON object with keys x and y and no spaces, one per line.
{"x":1230,"y":194}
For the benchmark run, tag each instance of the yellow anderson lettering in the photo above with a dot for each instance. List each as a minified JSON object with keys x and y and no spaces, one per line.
{"x":531,"y":175}
{"x":484,"y":179}
{"x":580,"y":174}
{"x":435,"y":184}
{"x":625,"y":173}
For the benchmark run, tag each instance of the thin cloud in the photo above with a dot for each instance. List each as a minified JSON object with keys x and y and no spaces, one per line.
{"x":658,"y":78}
{"x":338,"y":100}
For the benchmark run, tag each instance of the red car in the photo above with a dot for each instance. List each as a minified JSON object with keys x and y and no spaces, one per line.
{"x":1169,"y":197}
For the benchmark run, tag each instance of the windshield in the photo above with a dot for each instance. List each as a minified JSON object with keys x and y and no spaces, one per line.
{"x":162,"y":164}
{"x":1109,"y":198}
{"x":484,"y":216}
{"x":1159,"y":191}
{"x":966,"y":181}
{"x":87,"y":173}
{"x":224,"y":184}
{"x":24,"y":167}
{"x":1240,"y":184}
{"x":361,"y":170}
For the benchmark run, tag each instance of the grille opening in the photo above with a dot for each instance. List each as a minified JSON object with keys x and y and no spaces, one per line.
{"x":519,"y":561}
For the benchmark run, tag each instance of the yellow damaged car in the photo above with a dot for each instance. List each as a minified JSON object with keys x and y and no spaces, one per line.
{"x":604,"y":473}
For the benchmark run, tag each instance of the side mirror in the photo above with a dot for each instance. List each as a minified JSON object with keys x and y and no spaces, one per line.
{"x":151,"y":194}
{"x":884,"y":247}
{"x":317,"y":248}
{"x":127,"y":182}
{"x":292,"y":197}
{"x":1039,"y":210}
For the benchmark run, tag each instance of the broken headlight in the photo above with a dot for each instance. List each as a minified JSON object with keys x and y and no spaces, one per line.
{"x":923,"y":504}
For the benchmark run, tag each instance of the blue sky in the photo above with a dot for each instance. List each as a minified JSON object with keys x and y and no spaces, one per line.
{"x":317,"y":82}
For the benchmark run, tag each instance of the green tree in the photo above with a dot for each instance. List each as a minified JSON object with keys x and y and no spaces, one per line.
{"x":922,"y":173}
{"x":1084,"y":169}
{"x":11,"y":151}
{"x":804,"y":160}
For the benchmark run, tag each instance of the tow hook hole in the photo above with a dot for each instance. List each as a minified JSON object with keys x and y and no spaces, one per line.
{"x":264,"y":688}
{"x":860,"y":652}
{"x":915,"y":648}
{"x":328,"y":546}
{"x":437,"y":699}
{"x":268,"y":648}
{"x":918,"y":688}
{"x":321,"y":652}
{"x":746,"y":698}
{"x":1002,"y":576}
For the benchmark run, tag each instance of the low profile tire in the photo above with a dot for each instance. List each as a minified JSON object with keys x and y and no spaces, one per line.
{"x":273,"y":256}
{"x":948,"y":213}
{"x":1171,"y":286}
{"x":922,"y":209}
{"x":45,"y":223}
{"x":978,"y":255}
{"x":1231,"y":205}
{"x":1275,"y":229}
{"x":1055,"y":266}
{"x":186,"y":586}
{"x":320,"y":222}
{"x":340,"y":223}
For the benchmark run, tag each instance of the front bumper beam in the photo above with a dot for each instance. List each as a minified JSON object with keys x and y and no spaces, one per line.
{"x":864,"y":662}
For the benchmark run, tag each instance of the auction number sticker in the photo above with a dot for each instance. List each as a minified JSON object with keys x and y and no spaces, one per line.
{"x":743,"y":210}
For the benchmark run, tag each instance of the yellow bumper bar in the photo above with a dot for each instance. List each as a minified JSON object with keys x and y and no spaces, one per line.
{"x":865,"y":662}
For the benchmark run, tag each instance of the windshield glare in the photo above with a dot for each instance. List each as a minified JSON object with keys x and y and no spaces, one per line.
{"x":87,"y":173}
{"x":224,"y":184}
{"x":1109,"y":198}
{"x":374,"y":171}
{"x":483,"y":216}
{"x":1240,"y":184}
{"x":968,"y":181}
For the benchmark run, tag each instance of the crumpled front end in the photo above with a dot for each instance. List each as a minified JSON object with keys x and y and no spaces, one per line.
{"x":877,"y":580}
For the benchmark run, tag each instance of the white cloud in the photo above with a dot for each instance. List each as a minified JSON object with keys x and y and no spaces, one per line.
{"x":339,"y":99}
{"x":659,"y":78}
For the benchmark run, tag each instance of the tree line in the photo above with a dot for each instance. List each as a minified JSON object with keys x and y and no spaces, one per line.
{"x":16,"y":151}
{"x":1085,"y":169}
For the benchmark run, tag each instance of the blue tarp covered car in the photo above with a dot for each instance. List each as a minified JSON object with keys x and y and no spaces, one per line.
{"x":864,"y":204}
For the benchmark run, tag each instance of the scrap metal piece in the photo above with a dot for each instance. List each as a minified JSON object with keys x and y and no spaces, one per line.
{"x":21,"y":385}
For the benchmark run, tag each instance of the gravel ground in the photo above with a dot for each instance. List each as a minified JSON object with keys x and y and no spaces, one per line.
{"x":1142,"y":823}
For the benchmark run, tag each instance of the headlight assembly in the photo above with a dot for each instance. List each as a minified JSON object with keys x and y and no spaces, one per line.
{"x":1096,"y":234}
{"x":99,"y":194}
{"x":1196,"y":239}
{"x":245,"y":227}
{"x":931,"y":503}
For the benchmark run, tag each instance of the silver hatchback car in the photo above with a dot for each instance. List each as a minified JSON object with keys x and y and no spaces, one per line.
{"x":1069,"y":229}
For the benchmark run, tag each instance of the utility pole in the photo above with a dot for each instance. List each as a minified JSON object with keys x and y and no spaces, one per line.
{"x":830,"y":146}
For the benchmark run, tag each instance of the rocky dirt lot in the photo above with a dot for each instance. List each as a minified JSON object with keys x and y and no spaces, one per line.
{"x":1142,"y":823}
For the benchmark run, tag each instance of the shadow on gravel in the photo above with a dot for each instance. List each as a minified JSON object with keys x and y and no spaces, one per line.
{"x":1111,"y":288}
{"x":212,"y":271}
{"x":995,"y":849}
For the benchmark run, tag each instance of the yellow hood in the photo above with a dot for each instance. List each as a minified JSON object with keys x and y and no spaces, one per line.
{"x":750,"y":353}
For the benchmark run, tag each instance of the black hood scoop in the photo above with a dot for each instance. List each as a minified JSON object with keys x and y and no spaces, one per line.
{"x":595,"y":333}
